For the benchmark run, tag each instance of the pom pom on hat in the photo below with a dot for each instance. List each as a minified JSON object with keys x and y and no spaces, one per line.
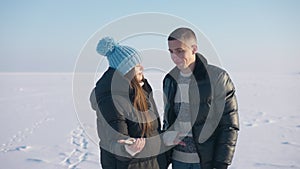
{"x":106,"y":45}
{"x":122,"y":58}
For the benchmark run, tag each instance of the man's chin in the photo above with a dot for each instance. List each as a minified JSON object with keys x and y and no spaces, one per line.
{"x":180,"y":67}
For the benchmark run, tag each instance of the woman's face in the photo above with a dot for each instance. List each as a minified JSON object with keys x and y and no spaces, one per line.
{"x":138,"y":72}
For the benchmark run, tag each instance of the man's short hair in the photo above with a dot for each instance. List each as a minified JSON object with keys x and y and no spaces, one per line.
{"x":183,"y":34}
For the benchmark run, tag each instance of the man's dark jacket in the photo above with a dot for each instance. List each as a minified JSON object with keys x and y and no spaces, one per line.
{"x":214,"y":112}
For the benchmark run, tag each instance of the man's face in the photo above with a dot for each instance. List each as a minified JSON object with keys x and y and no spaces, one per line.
{"x":182,"y":54}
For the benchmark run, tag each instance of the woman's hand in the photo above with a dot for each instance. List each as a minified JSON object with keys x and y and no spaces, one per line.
{"x":136,"y":147}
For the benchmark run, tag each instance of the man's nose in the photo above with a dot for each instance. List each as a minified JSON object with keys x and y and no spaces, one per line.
{"x":174,"y":56}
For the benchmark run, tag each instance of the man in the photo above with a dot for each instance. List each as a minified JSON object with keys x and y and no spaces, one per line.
{"x":201,"y":118}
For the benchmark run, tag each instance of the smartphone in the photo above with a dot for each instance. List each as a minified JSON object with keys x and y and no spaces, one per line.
{"x":129,"y":141}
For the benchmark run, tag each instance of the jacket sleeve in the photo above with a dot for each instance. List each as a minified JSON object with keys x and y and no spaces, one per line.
{"x":111,"y":124}
{"x":168,"y":92}
{"x":93,"y":100}
{"x":168,"y":117}
{"x":166,"y":124}
{"x":227,"y":130}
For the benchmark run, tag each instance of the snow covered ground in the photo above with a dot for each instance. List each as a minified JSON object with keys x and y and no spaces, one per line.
{"x":40,"y":129}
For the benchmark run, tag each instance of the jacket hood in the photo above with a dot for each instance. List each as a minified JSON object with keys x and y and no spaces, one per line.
{"x":112,"y":82}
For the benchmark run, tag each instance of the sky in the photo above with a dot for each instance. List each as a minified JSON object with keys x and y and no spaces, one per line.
{"x":48,"y":36}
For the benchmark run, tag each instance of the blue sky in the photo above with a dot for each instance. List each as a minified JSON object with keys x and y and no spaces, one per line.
{"x":47,"y":36}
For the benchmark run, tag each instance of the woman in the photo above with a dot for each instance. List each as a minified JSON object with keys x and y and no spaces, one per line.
{"x":127,"y":119}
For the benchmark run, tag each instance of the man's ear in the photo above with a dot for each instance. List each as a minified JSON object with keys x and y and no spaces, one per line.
{"x":194,"y":49}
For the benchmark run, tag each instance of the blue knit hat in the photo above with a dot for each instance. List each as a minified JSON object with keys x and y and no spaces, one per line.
{"x":122,"y":58}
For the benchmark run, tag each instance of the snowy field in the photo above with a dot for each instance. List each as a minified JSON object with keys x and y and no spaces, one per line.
{"x":40,"y":129}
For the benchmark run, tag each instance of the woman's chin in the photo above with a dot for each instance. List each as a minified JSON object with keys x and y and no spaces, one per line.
{"x":139,"y":78}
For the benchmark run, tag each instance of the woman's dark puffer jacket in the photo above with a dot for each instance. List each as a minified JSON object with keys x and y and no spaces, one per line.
{"x":112,"y":99}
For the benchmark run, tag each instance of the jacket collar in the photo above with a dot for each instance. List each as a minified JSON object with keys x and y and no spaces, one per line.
{"x":200,"y":70}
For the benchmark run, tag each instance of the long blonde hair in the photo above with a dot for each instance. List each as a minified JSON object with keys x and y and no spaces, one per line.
{"x":141,"y":107}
